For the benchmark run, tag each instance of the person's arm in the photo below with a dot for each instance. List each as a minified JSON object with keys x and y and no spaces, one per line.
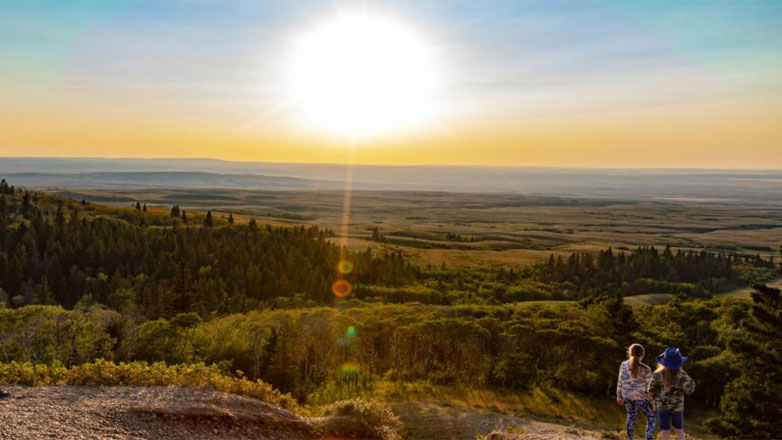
{"x":687,"y":384}
{"x":654,"y":387}
{"x":619,"y":382}
{"x":648,"y":379}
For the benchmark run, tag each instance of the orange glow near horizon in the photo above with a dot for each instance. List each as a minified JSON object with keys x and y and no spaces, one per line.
{"x":692,"y":137}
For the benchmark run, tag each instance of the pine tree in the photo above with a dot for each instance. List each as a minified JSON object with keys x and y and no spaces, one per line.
{"x":184,"y":216}
{"x":26,"y":206}
{"x":230,"y":218}
{"x":752,"y":403}
{"x":144,"y":208}
{"x":138,"y":206}
{"x":252,"y":224}
{"x":208,"y":222}
{"x":43,"y":294}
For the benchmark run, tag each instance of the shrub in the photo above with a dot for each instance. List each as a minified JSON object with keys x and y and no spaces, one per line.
{"x":105,"y":373}
{"x":361,"y":418}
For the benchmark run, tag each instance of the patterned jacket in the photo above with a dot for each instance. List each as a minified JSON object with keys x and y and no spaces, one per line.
{"x":673,"y":399}
{"x":632,"y":388}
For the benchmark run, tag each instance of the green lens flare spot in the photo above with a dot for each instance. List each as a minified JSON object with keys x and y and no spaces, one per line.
{"x":345,"y":267}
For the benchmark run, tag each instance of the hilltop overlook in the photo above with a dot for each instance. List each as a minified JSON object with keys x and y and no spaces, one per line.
{"x":77,"y":412}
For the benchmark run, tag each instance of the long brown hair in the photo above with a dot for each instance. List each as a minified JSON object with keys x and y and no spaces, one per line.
{"x":669,"y":376}
{"x":634,"y":354}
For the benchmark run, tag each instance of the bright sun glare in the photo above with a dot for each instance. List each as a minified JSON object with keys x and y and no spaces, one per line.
{"x":363,"y":75}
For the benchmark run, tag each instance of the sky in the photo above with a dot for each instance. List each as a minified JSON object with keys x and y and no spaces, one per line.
{"x":661,"y":84}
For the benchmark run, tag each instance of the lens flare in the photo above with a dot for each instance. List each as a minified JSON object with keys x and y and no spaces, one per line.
{"x":350,"y":368}
{"x":341,"y":288}
{"x":345,"y":266}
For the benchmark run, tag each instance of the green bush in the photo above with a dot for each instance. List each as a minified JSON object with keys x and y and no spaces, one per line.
{"x":158,"y":374}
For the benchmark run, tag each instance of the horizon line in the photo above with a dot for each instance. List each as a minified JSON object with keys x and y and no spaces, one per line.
{"x":420,"y":165}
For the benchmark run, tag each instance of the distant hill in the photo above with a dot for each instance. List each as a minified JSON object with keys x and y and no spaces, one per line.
{"x":165,"y":179}
{"x":663,"y":184}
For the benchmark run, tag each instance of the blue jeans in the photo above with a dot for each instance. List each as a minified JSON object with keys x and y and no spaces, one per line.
{"x":632,"y":407}
{"x":668,"y":418}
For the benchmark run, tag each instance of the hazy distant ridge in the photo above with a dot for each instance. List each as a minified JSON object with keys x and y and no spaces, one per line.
{"x":67,"y":173}
{"x":164,"y":179}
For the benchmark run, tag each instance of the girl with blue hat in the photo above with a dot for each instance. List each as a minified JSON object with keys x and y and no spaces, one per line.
{"x":668,"y":387}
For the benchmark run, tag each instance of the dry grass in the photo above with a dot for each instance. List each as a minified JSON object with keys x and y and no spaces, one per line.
{"x":437,"y":412}
{"x":494,"y":228}
{"x":649,"y":298}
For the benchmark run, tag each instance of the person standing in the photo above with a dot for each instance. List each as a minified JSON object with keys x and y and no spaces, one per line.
{"x":631,"y":390}
{"x":669,"y":384}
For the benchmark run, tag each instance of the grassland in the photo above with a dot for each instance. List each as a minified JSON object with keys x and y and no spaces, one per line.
{"x":478,"y":229}
{"x":744,"y":292}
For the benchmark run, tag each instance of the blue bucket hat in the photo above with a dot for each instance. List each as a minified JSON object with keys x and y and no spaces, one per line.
{"x":672,"y":358}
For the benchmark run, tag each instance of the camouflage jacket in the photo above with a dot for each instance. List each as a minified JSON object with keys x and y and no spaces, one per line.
{"x":673,"y":399}
{"x":632,"y":388}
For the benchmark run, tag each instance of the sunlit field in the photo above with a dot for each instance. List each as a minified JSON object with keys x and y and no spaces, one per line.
{"x":487,"y":229}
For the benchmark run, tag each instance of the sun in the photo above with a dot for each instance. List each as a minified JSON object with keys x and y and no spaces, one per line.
{"x":360,"y":74}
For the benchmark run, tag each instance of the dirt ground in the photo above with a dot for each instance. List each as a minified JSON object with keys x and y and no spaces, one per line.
{"x":143,"y":413}
{"x":432,"y":420}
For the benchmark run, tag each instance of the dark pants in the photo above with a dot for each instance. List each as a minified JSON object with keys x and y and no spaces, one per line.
{"x":632,"y":407}
{"x":668,"y":418}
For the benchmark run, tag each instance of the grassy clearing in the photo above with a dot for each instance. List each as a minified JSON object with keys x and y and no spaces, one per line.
{"x":744,"y":292}
{"x":649,"y":298}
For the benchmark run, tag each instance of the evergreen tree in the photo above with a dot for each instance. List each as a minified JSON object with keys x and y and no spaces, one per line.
{"x":43,"y":295}
{"x":377,"y":234}
{"x":230,"y":218}
{"x":138,"y":206}
{"x":253,"y":225}
{"x":208,"y":221}
{"x":184,"y":216}
{"x":26,"y":206}
{"x":752,"y":403}
{"x":144,"y":208}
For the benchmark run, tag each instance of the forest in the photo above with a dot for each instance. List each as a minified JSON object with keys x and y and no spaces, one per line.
{"x":57,"y":251}
{"x":81,"y":282}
